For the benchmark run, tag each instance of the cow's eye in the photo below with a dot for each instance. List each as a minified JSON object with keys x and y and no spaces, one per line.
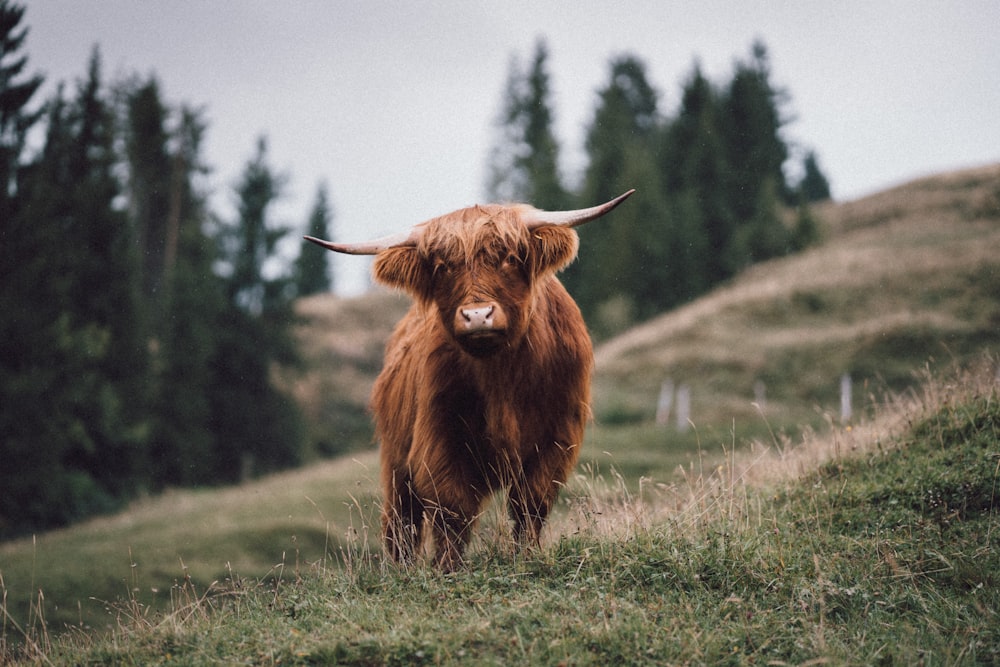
{"x":512,"y":260}
{"x":442,"y":268}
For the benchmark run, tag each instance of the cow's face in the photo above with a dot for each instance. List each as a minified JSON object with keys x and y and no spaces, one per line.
{"x":478,"y":267}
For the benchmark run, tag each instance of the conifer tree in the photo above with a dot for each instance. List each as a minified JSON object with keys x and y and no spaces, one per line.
{"x":806,"y":231}
{"x":751,"y":124}
{"x":29,"y":324}
{"x":104,"y":291}
{"x":149,"y":185}
{"x":764,"y":236}
{"x":312,"y":271}
{"x":813,"y":187}
{"x":623,"y":264}
{"x":251,"y":242}
{"x":256,"y":426}
{"x":524,"y":164}
{"x":696,"y":170}
{"x":15,"y":96}
{"x":78,"y":439}
{"x":184,"y":443}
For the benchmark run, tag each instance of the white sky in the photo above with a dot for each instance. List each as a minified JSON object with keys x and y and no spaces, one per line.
{"x":393,"y":103}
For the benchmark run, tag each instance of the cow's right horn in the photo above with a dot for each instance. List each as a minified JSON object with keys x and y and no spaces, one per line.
{"x":537,"y":218}
{"x":369,"y":247}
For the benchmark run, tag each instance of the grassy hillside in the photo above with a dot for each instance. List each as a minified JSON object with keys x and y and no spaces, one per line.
{"x":872,"y":545}
{"x":341,"y":341}
{"x":906,"y":278}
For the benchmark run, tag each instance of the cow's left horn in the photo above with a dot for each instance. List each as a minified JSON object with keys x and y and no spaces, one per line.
{"x":368,"y":247}
{"x":535,"y":218}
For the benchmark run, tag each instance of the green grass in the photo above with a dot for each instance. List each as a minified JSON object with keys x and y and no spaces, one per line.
{"x":877,"y":544}
{"x":763,"y":534}
{"x":260,"y":530}
{"x":904,"y":277}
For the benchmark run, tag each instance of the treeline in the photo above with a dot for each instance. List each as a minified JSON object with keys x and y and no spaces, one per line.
{"x":712,"y":193}
{"x":139,"y":331}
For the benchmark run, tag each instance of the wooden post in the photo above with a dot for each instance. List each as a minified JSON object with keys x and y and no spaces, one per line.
{"x":664,"y":403}
{"x":845,"y":398}
{"x":683,"y":408}
{"x":760,"y":395}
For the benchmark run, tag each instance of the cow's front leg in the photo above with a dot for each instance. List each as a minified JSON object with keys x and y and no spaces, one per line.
{"x":451,"y":530}
{"x":533,"y":493}
{"x":528,"y":508}
{"x":402,"y":517}
{"x":452,"y":495}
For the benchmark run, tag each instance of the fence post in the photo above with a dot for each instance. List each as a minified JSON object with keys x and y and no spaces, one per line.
{"x":760,"y":395}
{"x":664,"y":402}
{"x":683,"y":408}
{"x":845,"y":398}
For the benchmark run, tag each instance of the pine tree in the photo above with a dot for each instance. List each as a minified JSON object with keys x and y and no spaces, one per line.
{"x":765,"y":235}
{"x":252,"y":241}
{"x":813,"y":187}
{"x":184,"y":445}
{"x":256,"y":426}
{"x":695,"y":167}
{"x":806,"y":231}
{"x":30,"y":324}
{"x":104,"y":291}
{"x":78,"y":353}
{"x":149,"y":186}
{"x":751,"y":125}
{"x":524,"y":165}
{"x":15,"y":96}
{"x":688,"y":249}
{"x":312,"y":271}
{"x":623,"y":263}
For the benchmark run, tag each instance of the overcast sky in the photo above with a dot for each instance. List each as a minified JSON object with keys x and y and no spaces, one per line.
{"x":393,"y":104}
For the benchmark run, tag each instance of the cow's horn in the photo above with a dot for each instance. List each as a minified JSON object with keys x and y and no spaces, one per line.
{"x":368,"y":247}
{"x":536,"y":218}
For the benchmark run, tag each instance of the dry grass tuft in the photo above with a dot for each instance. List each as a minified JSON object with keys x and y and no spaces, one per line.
{"x":715,"y":490}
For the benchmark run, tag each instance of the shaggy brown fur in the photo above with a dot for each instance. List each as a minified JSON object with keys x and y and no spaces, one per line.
{"x":460,"y":417}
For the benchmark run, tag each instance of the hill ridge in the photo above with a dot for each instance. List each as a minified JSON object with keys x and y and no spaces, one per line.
{"x":918,"y":264}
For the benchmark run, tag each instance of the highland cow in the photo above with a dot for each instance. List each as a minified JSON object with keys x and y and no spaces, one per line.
{"x":486,"y":381}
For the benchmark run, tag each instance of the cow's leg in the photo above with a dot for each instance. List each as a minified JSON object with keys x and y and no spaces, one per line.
{"x":451,"y":530}
{"x":528,"y":508}
{"x":534,"y":491}
{"x":452,"y":495}
{"x":402,"y":517}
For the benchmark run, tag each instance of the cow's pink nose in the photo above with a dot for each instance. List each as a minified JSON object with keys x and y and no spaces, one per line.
{"x":478,"y":319}
{"x":480,"y":327}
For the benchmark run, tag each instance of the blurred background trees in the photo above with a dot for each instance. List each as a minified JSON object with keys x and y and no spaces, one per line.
{"x":524,"y":163}
{"x":312,"y":272}
{"x":139,"y":331}
{"x":142,"y":332}
{"x":712,"y":193}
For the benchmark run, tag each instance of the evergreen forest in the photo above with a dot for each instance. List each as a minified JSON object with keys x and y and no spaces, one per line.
{"x":141,"y":330}
{"x":719,"y":187}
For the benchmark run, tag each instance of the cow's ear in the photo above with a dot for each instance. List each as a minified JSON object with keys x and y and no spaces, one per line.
{"x":403,"y":268}
{"x":552,"y":248}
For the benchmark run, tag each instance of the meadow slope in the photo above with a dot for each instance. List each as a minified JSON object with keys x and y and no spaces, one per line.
{"x":875,"y":544}
{"x":906,"y":276}
{"x":905,"y":280}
